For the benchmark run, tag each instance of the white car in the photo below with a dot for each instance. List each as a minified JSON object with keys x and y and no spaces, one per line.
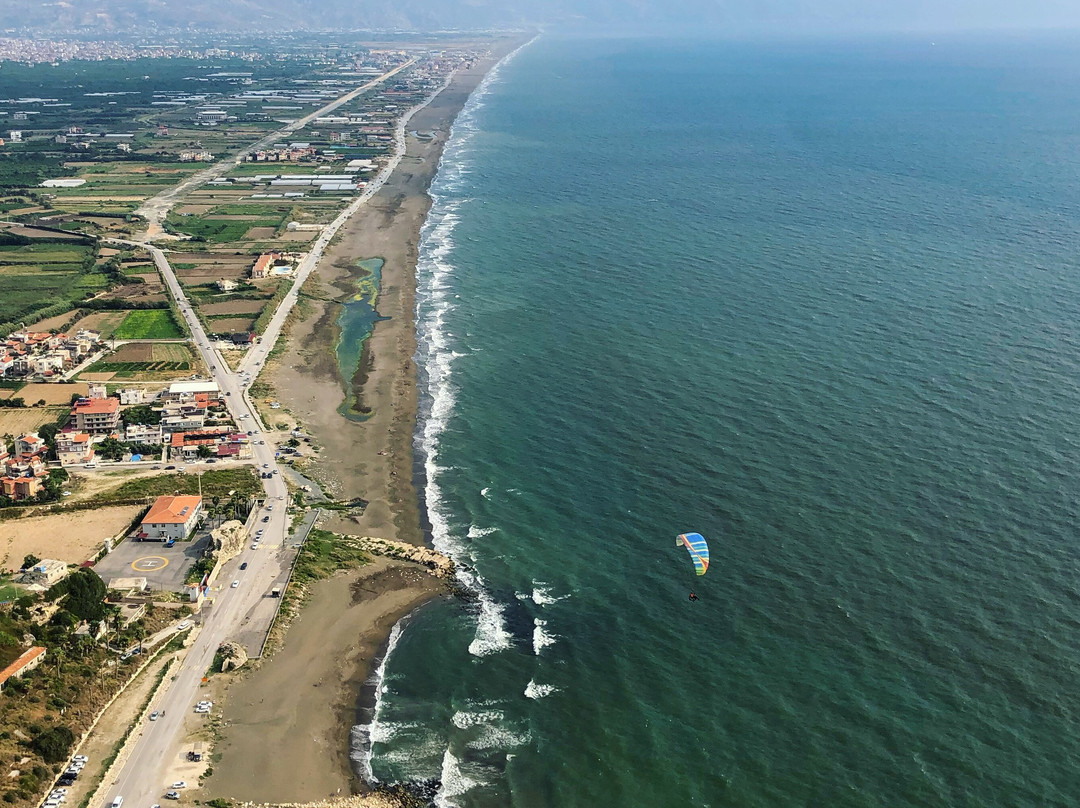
{"x":234,"y":584}
{"x":255,"y":546}
{"x":184,"y":625}
{"x":179,"y":784}
{"x":80,"y":759}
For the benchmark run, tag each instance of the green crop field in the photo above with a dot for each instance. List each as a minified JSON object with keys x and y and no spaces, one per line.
{"x":149,"y":324}
{"x":42,"y":280}
{"x":219,"y":230}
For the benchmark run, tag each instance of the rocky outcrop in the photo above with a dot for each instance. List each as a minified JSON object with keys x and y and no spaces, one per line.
{"x":229,"y":540}
{"x":439,"y":565}
{"x":233,"y":656}
{"x":393,"y":797}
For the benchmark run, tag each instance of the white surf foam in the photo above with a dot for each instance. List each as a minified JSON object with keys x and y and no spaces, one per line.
{"x":538,"y":691}
{"x":491,"y":633}
{"x":363,"y":736}
{"x":541,"y":595}
{"x":541,"y":638}
{"x":453,"y":782}
{"x":479,"y":532}
{"x":484,"y":493}
{"x":463,"y":719}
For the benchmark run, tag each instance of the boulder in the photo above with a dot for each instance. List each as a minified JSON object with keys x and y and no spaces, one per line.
{"x":233,"y":655}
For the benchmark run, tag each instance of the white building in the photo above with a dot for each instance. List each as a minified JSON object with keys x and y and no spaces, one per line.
{"x":142,"y":433}
{"x":185,"y":391}
{"x":133,"y":395}
{"x":171,"y":518}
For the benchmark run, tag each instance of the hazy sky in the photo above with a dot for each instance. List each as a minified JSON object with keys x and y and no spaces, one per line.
{"x":806,"y":16}
{"x":732,"y":17}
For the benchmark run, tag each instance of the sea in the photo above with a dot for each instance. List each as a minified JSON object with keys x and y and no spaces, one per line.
{"x":816,"y":300}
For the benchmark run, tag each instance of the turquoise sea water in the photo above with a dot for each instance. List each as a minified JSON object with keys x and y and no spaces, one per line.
{"x":819,"y":302}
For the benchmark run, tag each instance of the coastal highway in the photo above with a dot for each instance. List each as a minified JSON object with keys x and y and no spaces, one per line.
{"x":144,"y":776}
{"x":156,"y":208}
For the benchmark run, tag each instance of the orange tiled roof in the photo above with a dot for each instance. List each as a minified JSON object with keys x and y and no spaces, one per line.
{"x":172,"y":510}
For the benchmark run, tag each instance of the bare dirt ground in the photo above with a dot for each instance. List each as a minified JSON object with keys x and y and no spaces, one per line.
{"x":54,"y":394}
{"x":19,"y":422}
{"x":72,"y":537}
{"x":234,"y":307}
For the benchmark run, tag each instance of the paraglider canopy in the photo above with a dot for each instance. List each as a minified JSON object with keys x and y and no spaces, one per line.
{"x":698,"y":549}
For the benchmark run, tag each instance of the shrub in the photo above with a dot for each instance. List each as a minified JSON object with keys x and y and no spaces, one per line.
{"x":53,"y":744}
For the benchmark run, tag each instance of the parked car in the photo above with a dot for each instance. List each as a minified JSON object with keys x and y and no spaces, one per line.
{"x":170,"y":468}
{"x":172,"y":795}
{"x":154,"y":715}
{"x":179,"y":784}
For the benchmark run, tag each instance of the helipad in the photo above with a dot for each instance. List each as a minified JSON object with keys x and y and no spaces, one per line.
{"x":149,"y":563}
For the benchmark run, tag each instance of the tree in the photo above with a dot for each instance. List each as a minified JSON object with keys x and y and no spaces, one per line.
{"x":85,"y":594}
{"x":30,"y":560}
{"x":204,"y":452}
{"x":142,"y":414}
{"x":53,"y":744}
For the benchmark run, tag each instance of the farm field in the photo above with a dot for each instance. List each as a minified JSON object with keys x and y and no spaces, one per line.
{"x":149,"y":324}
{"x":54,"y":394}
{"x":21,"y":421}
{"x":42,"y":278}
{"x":234,"y":307}
{"x":145,"y":361}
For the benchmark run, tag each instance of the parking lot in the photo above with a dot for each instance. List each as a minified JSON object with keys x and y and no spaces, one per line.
{"x":163,"y":567}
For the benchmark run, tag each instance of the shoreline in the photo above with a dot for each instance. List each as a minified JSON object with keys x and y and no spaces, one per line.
{"x":344,"y":629}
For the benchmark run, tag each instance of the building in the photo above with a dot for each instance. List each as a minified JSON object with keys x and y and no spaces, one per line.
{"x":225,"y":285}
{"x":45,"y":573}
{"x":143,"y":433}
{"x":97,"y":416}
{"x":17,"y":488}
{"x":29,"y":444}
{"x":74,"y":448}
{"x":263,"y":264}
{"x":211,"y":116}
{"x":97,"y":392}
{"x":26,"y":662}
{"x":186,"y":391}
{"x":171,"y":518}
{"x":132,"y":395}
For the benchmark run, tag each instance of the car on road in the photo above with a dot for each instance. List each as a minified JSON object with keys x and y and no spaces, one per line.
{"x":234,"y":584}
{"x":80,"y":759}
{"x":155,"y":468}
{"x":117,"y":801}
{"x":154,"y":715}
{"x":184,"y":625}
{"x":243,"y":566}
{"x":255,"y":546}
{"x":211,"y":460}
{"x":266,"y":518}
{"x":228,"y":392}
{"x":181,"y":468}
{"x":170,"y":468}
{"x":266,"y":465}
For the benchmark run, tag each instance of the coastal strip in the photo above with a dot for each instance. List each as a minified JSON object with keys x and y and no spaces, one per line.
{"x":302,"y":702}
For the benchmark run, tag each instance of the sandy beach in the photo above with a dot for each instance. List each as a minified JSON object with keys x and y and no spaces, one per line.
{"x":286,"y":725}
{"x":302,"y":702}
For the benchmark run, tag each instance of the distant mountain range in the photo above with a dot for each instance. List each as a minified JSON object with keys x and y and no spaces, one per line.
{"x":240,"y":16}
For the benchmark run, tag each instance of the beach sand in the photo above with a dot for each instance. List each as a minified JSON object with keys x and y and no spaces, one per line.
{"x":286,"y":724}
{"x":285,"y":735}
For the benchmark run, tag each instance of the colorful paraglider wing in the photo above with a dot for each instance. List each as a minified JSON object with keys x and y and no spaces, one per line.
{"x":698,"y":549}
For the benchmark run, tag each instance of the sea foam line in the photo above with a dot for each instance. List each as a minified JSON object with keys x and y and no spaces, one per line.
{"x":363,"y":737}
{"x":436,"y":357}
